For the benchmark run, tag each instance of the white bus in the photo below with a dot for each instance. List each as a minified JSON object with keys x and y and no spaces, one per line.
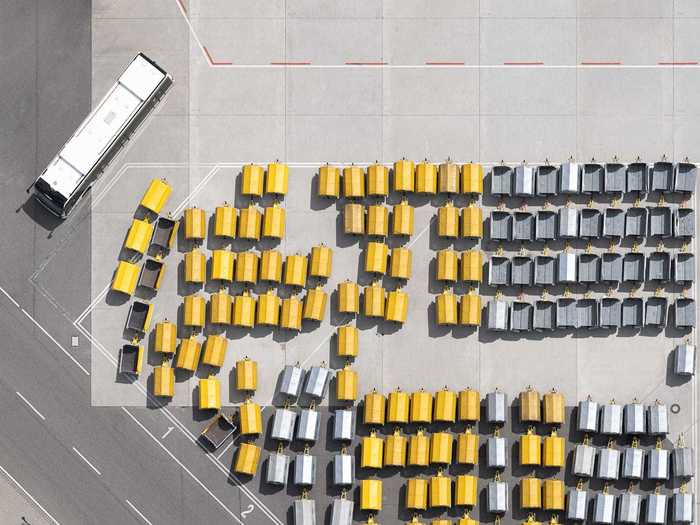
{"x":100,"y":136}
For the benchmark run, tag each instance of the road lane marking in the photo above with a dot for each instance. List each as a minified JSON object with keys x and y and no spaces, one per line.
{"x":9,"y":297}
{"x":172,"y":456}
{"x":31,"y":406}
{"x":86,"y":461}
{"x":29,"y":495}
{"x":137,"y":511}
{"x":170,"y":429}
{"x":55,"y":342}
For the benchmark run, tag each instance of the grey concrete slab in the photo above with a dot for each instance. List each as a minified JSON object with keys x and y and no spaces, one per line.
{"x":439,"y":91}
{"x":334,"y":138}
{"x":255,"y":137}
{"x":624,"y":9}
{"x":221,"y":9}
{"x":136,"y":9}
{"x":530,"y":8}
{"x":242,"y":41}
{"x":333,"y":92}
{"x":417,"y":41}
{"x":606,"y":137}
{"x":626,"y":40}
{"x":352,"y":9}
{"x":527,"y":39}
{"x":427,"y":9}
{"x":532,"y":138}
{"x":440,"y":137}
{"x":344,"y":40}
{"x":158,"y":37}
{"x":684,"y":44}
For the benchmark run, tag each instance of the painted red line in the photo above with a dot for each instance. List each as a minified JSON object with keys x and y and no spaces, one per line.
{"x":215,"y":62}
{"x":439,"y":63}
{"x":365,"y":63}
{"x":182,"y":5}
{"x":290,"y":63}
{"x":601,"y":63}
{"x":682,"y":63}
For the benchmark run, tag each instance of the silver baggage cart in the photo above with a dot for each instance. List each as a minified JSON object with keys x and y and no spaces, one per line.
{"x":283,"y":424}
{"x":304,"y":512}
{"x":656,"y":509}
{"x":604,"y":508}
{"x":611,"y":419}
{"x":308,"y":425}
{"x":634,"y":417}
{"x":658,"y":464}
{"x":292,"y":378}
{"x":576,"y":505}
{"x":343,"y":425}
{"x":496,"y":407}
{"x":277,"y":469}
{"x":628,"y":508}
{"x":682,"y":507}
{"x":587,"y":417}
{"x":317,"y":381}
{"x":497,"y":452}
{"x":497,"y":497}
{"x":608,"y":463}
{"x":341,"y":511}
{"x":342,"y":469}
{"x":304,"y":470}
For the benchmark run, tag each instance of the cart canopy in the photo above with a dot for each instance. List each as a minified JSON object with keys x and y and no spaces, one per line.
{"x":347,"y":338}
{"x":139,"y":236}
{"x":398,"y":404}
{"x":194,"y":311}
{"x":215,"y":350}
{"x":427,"y":178}
{"x":569,"y":178}
{"x":222,"y":265}
{"x":247,"y":459}
{"x":377,"y":220}
{"x":376,"y":255}
{"x":531,"y":493}
{"x":374,"y":298}
{"x":276,"y":180}
{"x":249,"y":223}
{"x":349,"y":297}
{"x":371,"y":495}
{"x":472,"y":222}
{"x":419,"y":450}
{"x":125,"y":278}
{"x":568,"y":223}
{"x":465,"y":490}
{"x":225,"y":221}
{"x":467,"y":448}
{"x":497,"y":315}
{"x":346,"y":384}
{"x":470,"y":310}
{"x":354,"y":219}
{"x":252,"y":184}
{"x":315,"y":304}
{"x":243,"y":310}
{"x":404,"y":172}
{"x":395,"y":450}
{"x":402,"y":219}
{"x":501,"y":180}
{"x":421,"y":407}
{"x":400,"y":263}
{"x":448,"y":178}
{"x":446,"y":308}
{"x":615,"y":177}
{"x":291,"y":381}
{"x":448,"y":221}
{"x":195,"y":266}
{"x":685,"y":175}
{"x":396,"y":306}
{"x":246,"y":375}
{"x":353,"y":182}
{"x":295,"y":270}
{"x":523,"y":226}
{"x":270,"y":266}
{"x":273,"y":222}
{"x":524,"y":181}
{"x":195,"y":224}
{"x":472,"y":178}
{"x":163,"y":381}
{"x":417,"y":494}
{"x":329,"y":181}
{"x":592,"y":178}
{"x":209,"y":394}
{"x":546,"y":180}
{"x":375,"y":409}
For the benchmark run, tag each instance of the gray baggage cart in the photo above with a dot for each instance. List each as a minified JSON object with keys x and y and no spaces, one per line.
{"x":632,"y":312}
{"x":659,"y":266}
{"x":566,"y":312}
{"x":496,"y":407}
{"x":566,"y":268}
{"x":497,"y":497}
{"x":660,"y":222}
{"x":304,"y":470}
{"x":587,"y":416}
{"x":520,"y":316}
{"x":633,"y":463}
{"x":500,"y":225}
{"x":610,"y":313}
{"x":522,"y":270}
{"x":545,"y":270}
{"x":544,"y":315}
{"x":684,"y":222}
{"x":656,"y":509}
{"x":341,"y":511}
{"x":635,"y":222}
{"x":523,"y":226}
{"x":611,"y":419}
{"x":497,"y":315}
{"x":608,"y":464}
{"x":342,"y":470}
{"x":661,"y":177}
{"x":611,"y":267}
{"x":684,"y":267}
{"x":615,"y":175}
{"x":637,"y":175}
{"x":685,"y":312}
{"x":308,"y":425}
{"x":655,"y":311}
{"x":628,"y":508}
{"x":546,"y":225}
{"x":658,"y":464}
{"x":613,"y":222}
{"x":304,"y":512}
{"x":546,"y":180}
{"x":683,"y":462}
{"x":633,"y":267}
{"x":604,"y":508}
{"x":277,"y":469}
{"x":592,"y":178}
{"x":684,"y":177}
{"x":657,"y":415}
{"x":570,"y":178}
{"x":588,"y":268}
{"x":576,"y":505}
{"x":499,"y":271}
{"x":684,"y":360}
{"x":317,"y":382}
{"x":292,"y":378}
{"x":524,"y":183}
{"x":591,"y":223}
{"x":343,"y":425}
{"x":283,"y":425}
{"x":682,"y":507}
{"x":584,"y":460}
{"x":497,"y":452}
{"x":501,"y":180}
{"x":587,"y":313}
{"x":568,"y":223}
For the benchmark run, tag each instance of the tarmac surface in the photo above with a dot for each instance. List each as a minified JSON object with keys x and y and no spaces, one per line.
{"x":82,"y":448}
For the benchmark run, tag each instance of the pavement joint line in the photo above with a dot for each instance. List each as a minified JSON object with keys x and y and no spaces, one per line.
{"x":87,"y":461}
{"x":174,"y":458}
{"x":26,"y":493}
{"x":30,"y":405}
{"x":138,"y":512}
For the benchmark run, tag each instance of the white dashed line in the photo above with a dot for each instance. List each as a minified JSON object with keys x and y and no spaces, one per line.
{"x":86,"y":461}
{"x":31,"y":406}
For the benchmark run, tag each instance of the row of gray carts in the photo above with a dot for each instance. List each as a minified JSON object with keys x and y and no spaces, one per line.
{"x":607,"y":312}
{"x":592,"y":177}
{"x":569,"y":222}
{"x":613,"y":268}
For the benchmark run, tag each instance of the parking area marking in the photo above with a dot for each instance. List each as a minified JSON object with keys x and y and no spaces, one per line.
{"x":225,"y":450}
{"x":138,"y":513}
{"x":26,"y":493}
{"x":87,"y":461}
{"x":31,"y":406}
{"x":167,"y":432}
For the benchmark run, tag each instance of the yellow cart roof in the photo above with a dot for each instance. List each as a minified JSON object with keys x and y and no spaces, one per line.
{"x":156,"y":195}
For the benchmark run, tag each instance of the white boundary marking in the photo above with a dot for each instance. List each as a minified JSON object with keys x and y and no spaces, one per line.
{"x":138,"y":512}
{"x":29,"y":495}
{"x":87,"y":461}
{"x":31,"y":406}
{"x":225,"y":450}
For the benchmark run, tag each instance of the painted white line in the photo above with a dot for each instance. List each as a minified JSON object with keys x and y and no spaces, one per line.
{"x":138,"y":512}
{"x":192,"y":31}
{"x":196,"y":190}
{"x":225,"y":450}
{"x":170,"y":429}
{"x":86,"y":461}
{"x":55,"y":342}
{"x":323,"y":341}
{"x":93,"y":303}
{"x":421,"y":233}
{"x":9,"y":296}
{"x":53,"y":520}
{"x":31,"y":406}
{"x":172,"y":456}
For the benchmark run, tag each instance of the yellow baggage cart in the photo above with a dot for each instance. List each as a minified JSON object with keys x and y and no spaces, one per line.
{"x":396,"y":306}
{"x":419,"y":450}
{"x":166,"y":337}
{"x":470,"y":309}
{"x":195,"y":267}
{"x":448,"y":178}
{"x":445,"y":406}
{"x":530,"y":448}
{"x":253,"y":177}
{"x":291,"y":314}
{"x":277,"y":178}
{"x":243,"y":310}
{"x":530,"y":405}
{"x":468,"y":448}
{"x":247,"y":267}
{"x":402,"y":219}
{"x":371,"y":495}
{"x":375,"y":409}
{"x":209,"y":393}
{"x":268,"y":313}
{"x":222,"y":265}
{"x":194,"y":311}
{"x":315,"y":304}
{"x":353,"y":182}
{"x":295,"y":269}
{"x":156,"y":195}
{"x":469,"y":404}
{"x":376,"y":255}
{"x":421,"y":407}
{"x":531,"y":493}
{"x":225,"y":221}
{"x":446,"y":308}
{"x":215,"y":350}
{"x":249,"y":223}
{"x":467,"y":520}
{"x":354,"y":219}
{"x":270,"y":266}
{"x":246,"y":375}
{"x":440,"y":491}
{"x":401,"y":262}
{"x":372,"y":451}
{"x":398,"y":407}
{"x":553,"y":494}
{"x":377,"y":220}
{"x":426,"y":178}
{"x":346,"y":386}
{"x":247,"y":459}
{"x":152,"y":274}
{"x":250,"y":416}
{"x":273,"y":222}
{"x":447,"y":262}
{"x":374,"y":299}
{"x":395,"y":450}
{"x":404,"y":173}
{"x":329,"y":182}
{"x":472,"y":266}
{"x":348,"y":297}
{"x":165,"y":233}
{"x":377,"y":180}
{"x":125,"y":278}
{"x":532,"y":521}
{"x":188,"y":356}
{"x":472,"y":222}
{"x":554,"y":408}
{"x":163,"y":380}
{"x":472,"y":178}
{"x":439,"y":521}
{"x":139,"y":236}
{"x":448,"y":221}
{"x":465,"y":490}
{"x":441,"y":448}
{"x":321,"y":261}
{"x":347,"y":340}
{"x":554,"y":451}
{"x":417,"y":494}
{"x":195,"y":224}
